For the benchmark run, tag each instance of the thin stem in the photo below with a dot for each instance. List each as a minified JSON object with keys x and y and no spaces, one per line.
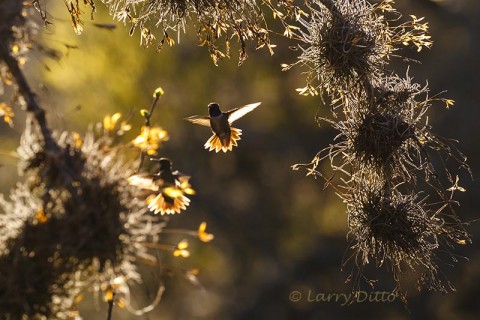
{"x":147,"y":124}
{"x":181,"y":231}
{"x":111,"y":302}
{"x":152,"y":108}
{"x":160,"y":246}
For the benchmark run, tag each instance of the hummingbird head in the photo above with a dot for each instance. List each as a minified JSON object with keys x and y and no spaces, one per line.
{"x":165,"y":164}
{"x":214,"y":110}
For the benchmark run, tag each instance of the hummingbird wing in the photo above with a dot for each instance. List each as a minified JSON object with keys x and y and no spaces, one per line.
{"x":200,"y":120}
{"x":235,"y":114}
{"x":144,"y":181}
{"x":180,"y":176}
{"x":183,"y":183}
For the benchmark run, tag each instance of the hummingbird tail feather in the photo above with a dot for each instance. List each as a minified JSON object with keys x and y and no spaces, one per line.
{"x":215,"y":143}
{"x":234,"y":137}
{"x":166,"y":205}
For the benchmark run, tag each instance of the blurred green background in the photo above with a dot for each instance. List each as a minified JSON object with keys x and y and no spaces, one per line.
{"x":276,"y":230}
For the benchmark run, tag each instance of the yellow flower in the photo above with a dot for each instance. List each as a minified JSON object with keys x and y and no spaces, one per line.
{"x":449,"y":102}
{"x":203,"y":235}
{"x":110,"y":121}
{"x":158,"y":92}
{"x":78,"y":299}
{"x":181,"y":249}
{"x":124,"y":127}
{"x":41,"y":216}
{"x":15,"y":48}
{"x":77,"y":140}
{"x":110,"y":124}
{"x":7,"y":113}
{"x":121,"y":303}
{"x":150,"y":139}
{"x":108,"y":295}
{"x":186,"y":187}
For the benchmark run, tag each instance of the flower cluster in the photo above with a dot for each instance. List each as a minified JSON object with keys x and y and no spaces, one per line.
{"x":149,"y":139}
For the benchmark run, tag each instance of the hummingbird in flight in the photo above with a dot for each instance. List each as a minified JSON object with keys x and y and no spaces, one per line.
{"x":224,"y":136}
{"x":166,"y":189}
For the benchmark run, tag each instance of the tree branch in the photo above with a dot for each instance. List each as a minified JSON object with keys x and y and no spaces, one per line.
{"x":10,"y":16}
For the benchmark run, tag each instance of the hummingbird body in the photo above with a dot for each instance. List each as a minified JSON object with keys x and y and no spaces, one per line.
{"x":221,"y":128}
{"x":224,"y":136}
{"x":165,"y":173}
{"x":166,"y":188}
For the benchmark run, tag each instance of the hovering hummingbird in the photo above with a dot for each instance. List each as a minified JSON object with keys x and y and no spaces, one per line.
{"x":224,"y":136}
{"x":167,"y":189}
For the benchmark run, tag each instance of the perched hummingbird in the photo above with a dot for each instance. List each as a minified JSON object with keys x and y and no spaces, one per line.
{"x":171,"y":188}
{"x":224,"y":136}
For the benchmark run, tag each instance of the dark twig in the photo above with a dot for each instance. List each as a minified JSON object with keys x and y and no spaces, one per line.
{"x":111,"y":302}
{"x":152,"y":108}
